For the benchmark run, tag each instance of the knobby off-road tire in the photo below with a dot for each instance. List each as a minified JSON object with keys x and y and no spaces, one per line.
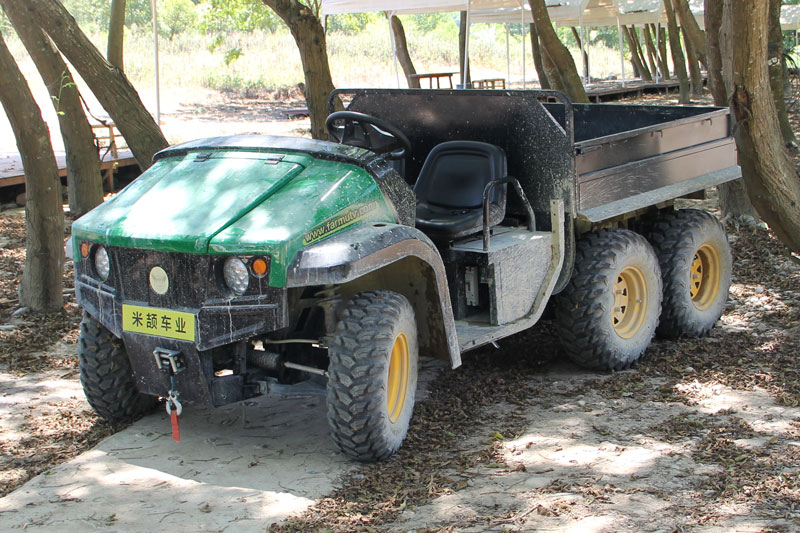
{"x":607,"y":314}
{"x":695,"y":259}
{"x":372,"y":375}
{"x":106,"y":374}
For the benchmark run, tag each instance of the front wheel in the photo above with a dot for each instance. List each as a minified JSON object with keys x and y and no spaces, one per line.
{"x":695,"y":259}
{"x":607,"y":314}
{"x":372,"y":375}
{"x":106,"y":374}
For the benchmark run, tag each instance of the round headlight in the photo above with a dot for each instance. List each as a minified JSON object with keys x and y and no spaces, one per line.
{"x":101,"y":264}
{"x":237,"y":278}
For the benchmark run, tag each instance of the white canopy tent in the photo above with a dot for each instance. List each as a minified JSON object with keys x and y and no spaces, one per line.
{"x":584,"y":14}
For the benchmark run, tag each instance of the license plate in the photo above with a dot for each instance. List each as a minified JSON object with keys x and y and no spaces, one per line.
{"x":158,"y":322}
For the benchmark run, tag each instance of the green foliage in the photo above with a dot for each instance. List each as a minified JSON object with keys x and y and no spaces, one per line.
{"x":236,"y":15}
{"x":94,"y":14}
{"x":429,"y":22}
{"x":351,"y":23}
{"x":176,"y":16}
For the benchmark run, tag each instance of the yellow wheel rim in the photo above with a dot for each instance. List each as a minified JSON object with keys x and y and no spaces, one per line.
{"x":630,"y":302}
{"x":704,"y":277}
{"x":397,"y":385}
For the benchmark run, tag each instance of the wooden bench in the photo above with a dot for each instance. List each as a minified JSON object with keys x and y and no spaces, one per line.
{"x":489,"y":83}
{"x":438,"y":76}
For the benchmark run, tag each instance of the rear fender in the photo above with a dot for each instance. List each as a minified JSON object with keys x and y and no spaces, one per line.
{"x":390,"y":257}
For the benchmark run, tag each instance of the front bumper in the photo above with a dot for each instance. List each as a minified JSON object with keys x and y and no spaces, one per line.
{"x":219,"y":323}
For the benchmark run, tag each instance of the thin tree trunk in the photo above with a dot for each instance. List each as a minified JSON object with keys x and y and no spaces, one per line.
{"x":84,"y":181}
{"x":773,"y":184}
{"x":462,"y":48}
{"x":662,"y":52}
{"x":41,"y":287}
{"x":585,"y":53}
{"x":691,"y":31}
{"x":678,"y":60}
{"x":636,"y":59}
{"x":559,"y":55}
{"x":648,"y":74}
{"x":777,"y":69}
{"x":713,"y":20}
{"x":695,"y":76}
{"x":538,"y":60}
{"x":309,"y":35}
{"x":109,"y":84}
{"x":652,"y":54}
{"x":116,"y":33}
{"x":401,"y":47}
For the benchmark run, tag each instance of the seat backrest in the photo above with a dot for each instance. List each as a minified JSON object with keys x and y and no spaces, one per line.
{"x":455,"y":174}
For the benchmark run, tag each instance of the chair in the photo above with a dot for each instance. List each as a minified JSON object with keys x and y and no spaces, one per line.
{"x":450,"y":189}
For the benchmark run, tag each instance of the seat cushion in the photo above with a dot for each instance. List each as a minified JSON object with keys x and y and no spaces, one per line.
{"x":450,"y":223}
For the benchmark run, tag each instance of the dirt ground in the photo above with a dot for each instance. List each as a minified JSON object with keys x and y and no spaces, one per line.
{"x":701,"y":434}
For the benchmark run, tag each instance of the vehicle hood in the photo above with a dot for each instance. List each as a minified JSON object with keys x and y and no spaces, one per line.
{"x":181,"y":202}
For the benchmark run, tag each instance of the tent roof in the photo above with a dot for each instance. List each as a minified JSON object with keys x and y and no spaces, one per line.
{"x":595,"y":12}
{"x":334,"y":7}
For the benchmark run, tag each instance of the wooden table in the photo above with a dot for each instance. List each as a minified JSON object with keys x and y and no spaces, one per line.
{"x":438,"y":76}
{"x":489,"y":83}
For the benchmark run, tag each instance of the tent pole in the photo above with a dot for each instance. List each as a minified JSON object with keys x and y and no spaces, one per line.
{"x":155,"y":47}
{"x":621,"y":53}
{"x":508,"y":56}
{"x":394,"y":48}
{"x":466,"y":48}
{"x":583,"y":57}
{"x":522,"y":23}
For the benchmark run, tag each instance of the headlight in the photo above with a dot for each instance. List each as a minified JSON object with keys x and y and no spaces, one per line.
{"x":101,"y":263}
{"x":237,"y":278}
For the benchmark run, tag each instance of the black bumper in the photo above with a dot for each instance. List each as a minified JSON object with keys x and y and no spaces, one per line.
{"x":219,"y":323}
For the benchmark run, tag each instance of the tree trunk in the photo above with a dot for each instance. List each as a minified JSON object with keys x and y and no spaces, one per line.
{"x":462,"y":48}
{"x":678,"y":60}
{"x":662,"y":52}
{"x":401,"y":47}
{"x":42,"y":286}
{"x":695,"y":76}
{"x":733,"y":200}
{"x":109,"y":84}
{"x":116,"y":33}
{"x":773,"y":184}
{"x":585,"y":53}
{"x":538,"y":60}
{"x":652,"y":54}
{"x":716,"y":83}
{"x":83,"y":164}
{"x":636,"y":59}
{"x":777,"y":70}
{"x":691,"y":31}
{"x":310,"y":38}
{"x":648,"y":74}
{"x":553,"y":77}
{"x":560,"y":57}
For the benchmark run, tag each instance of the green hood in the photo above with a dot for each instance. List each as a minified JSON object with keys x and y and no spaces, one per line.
{"x":180,"y":203}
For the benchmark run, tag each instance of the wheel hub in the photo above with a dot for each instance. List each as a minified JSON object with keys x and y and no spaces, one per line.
{"x":630,"y":302}
{"x":397,"y":383}
{"x":704,"y":277}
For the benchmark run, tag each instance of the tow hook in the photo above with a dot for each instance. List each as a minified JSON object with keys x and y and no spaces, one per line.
{"x":171,"y":361}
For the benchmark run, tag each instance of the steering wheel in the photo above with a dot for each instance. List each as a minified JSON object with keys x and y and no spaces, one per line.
{"x":366,"y":131}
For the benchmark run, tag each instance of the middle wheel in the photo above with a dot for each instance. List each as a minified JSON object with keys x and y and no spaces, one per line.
{"x":607,"y":315}
{"x":372,"y":375}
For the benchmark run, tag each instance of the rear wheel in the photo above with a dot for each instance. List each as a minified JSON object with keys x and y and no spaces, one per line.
{"x":606,"y":316}
{"x":695,"y":259}
{"x":372,"y":375}
{"x":106,"y":374}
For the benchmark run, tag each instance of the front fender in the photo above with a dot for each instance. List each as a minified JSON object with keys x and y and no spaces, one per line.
{"x":391,"y":257}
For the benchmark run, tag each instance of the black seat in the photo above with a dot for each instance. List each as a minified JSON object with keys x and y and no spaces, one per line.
{"x":450,"y":189}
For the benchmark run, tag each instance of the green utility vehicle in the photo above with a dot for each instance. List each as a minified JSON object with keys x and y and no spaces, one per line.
{"x":434,"y":222}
